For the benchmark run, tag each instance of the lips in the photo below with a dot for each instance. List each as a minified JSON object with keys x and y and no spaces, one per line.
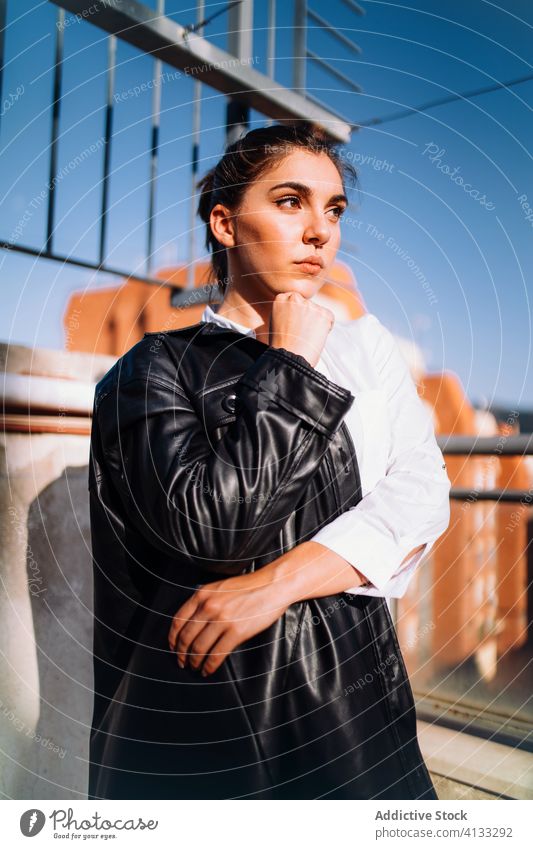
{"x":312,"y":260}
{"x":309,"y":267}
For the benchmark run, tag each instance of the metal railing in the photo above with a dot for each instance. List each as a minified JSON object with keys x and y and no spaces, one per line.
{"x":455,"y":713}
{"x":515,"y":445}
{"x":183,"y":47}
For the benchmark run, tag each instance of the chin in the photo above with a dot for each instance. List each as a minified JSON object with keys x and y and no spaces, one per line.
{"x":307,"y":285}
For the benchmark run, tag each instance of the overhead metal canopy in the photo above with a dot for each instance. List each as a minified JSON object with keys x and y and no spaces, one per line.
{"x":164,"y":39}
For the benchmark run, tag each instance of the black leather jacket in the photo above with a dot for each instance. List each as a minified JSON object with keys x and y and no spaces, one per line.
{"x":212,"y":454}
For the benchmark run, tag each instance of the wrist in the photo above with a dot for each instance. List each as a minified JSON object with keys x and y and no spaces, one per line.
{"x":290,"y":575}
{"x":311,"y":570}
{"x":271,"y":580}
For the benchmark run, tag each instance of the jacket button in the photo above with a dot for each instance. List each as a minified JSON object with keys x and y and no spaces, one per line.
{"x":230,"y":402}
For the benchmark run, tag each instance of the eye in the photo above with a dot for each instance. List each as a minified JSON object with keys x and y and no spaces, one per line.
{"x":285,"y":199}
{"x":338,"y":210}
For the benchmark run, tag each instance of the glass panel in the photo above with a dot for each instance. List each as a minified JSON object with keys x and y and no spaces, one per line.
{"x":464,"y":624}
{"x":81,"y":142}
{"x":25,"y":121}
{"x":174,"y":168}
{"x":130,"y":160}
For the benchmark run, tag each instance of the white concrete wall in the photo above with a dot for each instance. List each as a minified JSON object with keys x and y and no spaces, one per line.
{"x":45,"y":592}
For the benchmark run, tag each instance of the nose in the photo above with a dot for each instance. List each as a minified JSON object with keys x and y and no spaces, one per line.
{"x":317,"y":230}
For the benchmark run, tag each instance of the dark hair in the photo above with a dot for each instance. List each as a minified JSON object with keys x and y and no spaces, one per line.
{"x":243,"y":162}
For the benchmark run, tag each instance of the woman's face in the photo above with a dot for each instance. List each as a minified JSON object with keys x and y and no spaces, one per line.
{"x":278,"y":225}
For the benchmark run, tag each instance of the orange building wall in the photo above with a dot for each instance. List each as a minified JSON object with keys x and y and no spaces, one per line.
{"x":111,"y":321}
{"x":470,"y":597}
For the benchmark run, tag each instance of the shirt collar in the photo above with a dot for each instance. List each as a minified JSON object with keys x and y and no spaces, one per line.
{"x":209,"y":314}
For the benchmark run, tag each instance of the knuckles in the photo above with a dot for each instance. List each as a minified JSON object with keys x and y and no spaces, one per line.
{"x":211,"y":607}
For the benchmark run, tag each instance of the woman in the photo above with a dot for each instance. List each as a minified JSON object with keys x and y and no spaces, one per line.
{"x":260,"y":483}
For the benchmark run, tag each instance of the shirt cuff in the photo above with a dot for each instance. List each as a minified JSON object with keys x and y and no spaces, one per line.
{"x":378,"y":558}
{"x":396,"y":586}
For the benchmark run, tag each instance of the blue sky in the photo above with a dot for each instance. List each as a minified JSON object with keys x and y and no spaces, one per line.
{"x":467,"y":307}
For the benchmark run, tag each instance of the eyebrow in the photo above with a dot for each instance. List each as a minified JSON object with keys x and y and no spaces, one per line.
{"x":306,"y":191}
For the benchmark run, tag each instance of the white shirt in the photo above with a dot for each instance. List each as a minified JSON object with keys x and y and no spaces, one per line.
{"x":405,"y":486}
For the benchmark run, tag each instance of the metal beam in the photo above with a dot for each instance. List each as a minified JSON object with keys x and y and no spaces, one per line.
{"x":355,"y":7}
{"x":196,"y":130}
{"x":505,"y":496}
{"x":240,"y":40}
{"x":56,"y":111}
{"x":154,"y":153}
{"x":299,"y":45}
{"x":340,"y":76}
{"x":322,"y":22}
{"x":3,"y":17}
{"x":166,"y":40}
{"x":108,"y":135}
{"x":515,"y":444}
{"x":82,"y":263}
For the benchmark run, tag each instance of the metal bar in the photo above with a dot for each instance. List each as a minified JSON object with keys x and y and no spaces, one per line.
{"x":237,"y":119}
{"x":299,"y":45}
{"x":271,"y":39}
{"x":56,"y":113}
{"x":201,"y":24}
{"x":340,"y":76}
{"x":499,"y":728}
{"x":442,"y":101}
{"x":240,"y":30}
{"x":514,"y":445}
{"x":311,"y":99}
{"x":108,"y":134}
{"x":196,"y":120}
{"x":138,"y":25}
{"x":503,"y":495}
{"x":190,"y":297}
{"x":195,"y":131}
{"x":3,"y":18}
{"x":179,"y":295}
{"x":271,"y":45}
{"x":355,"y":7}
{"x":156,"y":108}
{"x":80,"y":263}
{"x":351,"y":45}
{"x":153,"y":170}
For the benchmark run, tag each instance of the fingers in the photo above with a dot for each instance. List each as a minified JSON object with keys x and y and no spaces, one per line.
{"x":202,"y":633}
{"x":219,"y":652}
{"x":292,"y":296}
{"x":202,"y":643}
{"x":185,"y":638}
{"x":208,"y":646}
{"x":181,"y":618}
{"x":201,"y":648}
{"x":194,"y":630}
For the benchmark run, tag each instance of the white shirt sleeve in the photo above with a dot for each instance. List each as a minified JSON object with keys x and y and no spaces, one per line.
{"x":409,"y":506}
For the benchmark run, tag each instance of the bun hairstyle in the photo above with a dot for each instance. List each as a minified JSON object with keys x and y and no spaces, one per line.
{"x":243,"y":162}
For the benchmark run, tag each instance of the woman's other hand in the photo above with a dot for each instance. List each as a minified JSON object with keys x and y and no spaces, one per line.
{"x":221,"y":615}
{"x":299,"y":325}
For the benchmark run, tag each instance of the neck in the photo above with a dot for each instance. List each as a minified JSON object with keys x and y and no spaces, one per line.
{"x":255,"y":316}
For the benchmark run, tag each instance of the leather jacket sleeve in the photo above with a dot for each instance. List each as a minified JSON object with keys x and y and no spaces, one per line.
{"x":221,"y":502}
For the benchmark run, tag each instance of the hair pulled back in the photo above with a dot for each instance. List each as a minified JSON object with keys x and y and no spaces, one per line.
{"x":247,"y":159}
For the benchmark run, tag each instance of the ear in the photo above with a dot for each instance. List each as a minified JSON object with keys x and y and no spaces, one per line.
{"x":222,"y":225}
